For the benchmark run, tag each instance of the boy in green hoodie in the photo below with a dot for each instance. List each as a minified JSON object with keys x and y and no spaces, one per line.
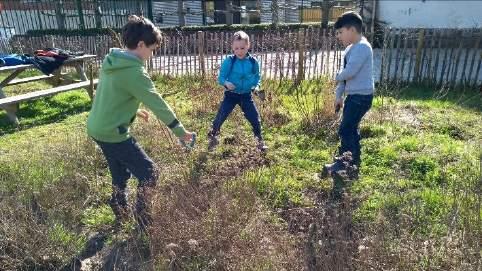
{"x":123,"y":85}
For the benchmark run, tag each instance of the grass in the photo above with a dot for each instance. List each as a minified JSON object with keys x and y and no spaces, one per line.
{"x":419,"y":184}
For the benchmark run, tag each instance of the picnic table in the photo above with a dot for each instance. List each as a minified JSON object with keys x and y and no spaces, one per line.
{"x":11,"y":104}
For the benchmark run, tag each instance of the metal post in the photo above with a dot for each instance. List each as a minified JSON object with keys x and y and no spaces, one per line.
{"x":39,"y":15}
{"x":180,"y":12}
{"x":302,"y":9}
{"x":149,"y":10}
{"x":204,"y":11}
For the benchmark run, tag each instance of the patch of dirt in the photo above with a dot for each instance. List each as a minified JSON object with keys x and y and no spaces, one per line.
{"x":406,"y":115}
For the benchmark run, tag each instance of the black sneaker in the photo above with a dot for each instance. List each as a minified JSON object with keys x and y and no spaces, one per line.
{"x":329,"y":169}
{"x":261,"y":145}
{"x":120,"y":211}
{"x":213,"y":142}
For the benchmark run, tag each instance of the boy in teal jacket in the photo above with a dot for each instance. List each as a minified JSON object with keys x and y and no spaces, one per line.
{"x":239,"y":75}
{"x":123,"y":85}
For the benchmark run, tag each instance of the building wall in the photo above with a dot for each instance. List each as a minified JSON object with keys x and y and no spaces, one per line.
{"x":168,"y":11}
{"x":431,"y":14}
{"x":267,"y":16}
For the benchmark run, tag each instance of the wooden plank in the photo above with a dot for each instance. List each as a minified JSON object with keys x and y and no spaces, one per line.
{"x":16,"y":67}
{"x":430,"y":53}
{"x":10,"y":77}
{"x":195,"y":53}
{"x":301,"y":56}
{"x":397,"y":55}
{"x":449,"y":68}
{"x":317,"y":49}
{"x":466,"y":59}
{"x":169,"y":46}
{"x":474,"y":56}
{"x":265,"y":73}
{"x":279,"y":63}
{"x":328,"y":50}
{"x":425,"y":45}
{"x":386,"y":35}
{"x":335,"y":54}
{"x":410,"y":63}
{"x":418,"y":57}
{"x":46,"y":92}
{"x":177,"y":55}
{"x":323,"y":50}
{"x":68,"y":61}
{"x":444,"y":62}
{"x":202,"y":65}
{"x":439,"y":49}
{"x":404,"y":51}
{"x":390,"y":53}
{"x":476,"y":77}
{"x":457,"y":60}
{"x":310,"y":49}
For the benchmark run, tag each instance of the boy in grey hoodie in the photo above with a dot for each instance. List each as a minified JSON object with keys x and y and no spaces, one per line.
{"x":355,"y":81}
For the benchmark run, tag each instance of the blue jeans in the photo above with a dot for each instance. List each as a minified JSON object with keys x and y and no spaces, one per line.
{"x":123,"y":159}
{"x":245,"y":101}
{"x":356,"y":106}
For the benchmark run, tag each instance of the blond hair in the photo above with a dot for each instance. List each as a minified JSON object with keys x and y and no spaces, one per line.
{"x":241,"y":35}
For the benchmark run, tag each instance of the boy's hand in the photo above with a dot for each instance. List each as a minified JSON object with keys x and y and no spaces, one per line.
{"x":143,"y":114}
{"x":338,"y":105}
{"x":188,"y":140}
{"x":229,"y":85}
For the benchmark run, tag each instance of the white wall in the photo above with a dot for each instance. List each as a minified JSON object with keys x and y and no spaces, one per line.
{"x":431,"y":13}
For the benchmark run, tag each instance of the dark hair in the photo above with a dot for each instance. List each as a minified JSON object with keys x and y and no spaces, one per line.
{"x":349,"y":19}
{"x":138,"y":29}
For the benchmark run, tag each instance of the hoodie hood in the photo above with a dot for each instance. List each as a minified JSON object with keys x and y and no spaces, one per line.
{"x":120,"y":59}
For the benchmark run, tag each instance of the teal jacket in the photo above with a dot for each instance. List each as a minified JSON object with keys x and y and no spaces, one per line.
{"x":243,"y":73}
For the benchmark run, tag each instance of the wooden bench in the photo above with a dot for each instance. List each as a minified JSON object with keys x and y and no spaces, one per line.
{"x":46,"y":92}
{"x":11,"y":104}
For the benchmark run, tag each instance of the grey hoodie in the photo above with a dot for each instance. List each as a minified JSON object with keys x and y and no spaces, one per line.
{"x":357,"y":74}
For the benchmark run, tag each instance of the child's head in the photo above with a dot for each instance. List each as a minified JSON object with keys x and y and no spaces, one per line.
{"x":240,"y":44}
{"x":141,"y":36}
{"x":349,"y":27}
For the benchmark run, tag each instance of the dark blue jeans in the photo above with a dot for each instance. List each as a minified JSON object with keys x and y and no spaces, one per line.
{"x":356,"y":106}
{"x":123,"y":159}
{"x":245,"y":101}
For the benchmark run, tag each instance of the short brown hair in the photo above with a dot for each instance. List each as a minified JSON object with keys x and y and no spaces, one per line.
{"x":139,"y":29}
{"x":241,"y":35}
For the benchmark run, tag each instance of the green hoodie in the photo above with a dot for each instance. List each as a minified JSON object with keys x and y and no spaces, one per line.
{"x":123,"y":85}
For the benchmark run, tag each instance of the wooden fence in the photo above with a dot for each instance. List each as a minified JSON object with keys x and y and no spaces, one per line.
{"x":434,"y":57}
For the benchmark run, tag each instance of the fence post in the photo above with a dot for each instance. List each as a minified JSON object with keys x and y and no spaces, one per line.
{"x":200,"y":44}
{"x":418,"y":56}
{"x":301,"y":56}
{"x":81,"y":14}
